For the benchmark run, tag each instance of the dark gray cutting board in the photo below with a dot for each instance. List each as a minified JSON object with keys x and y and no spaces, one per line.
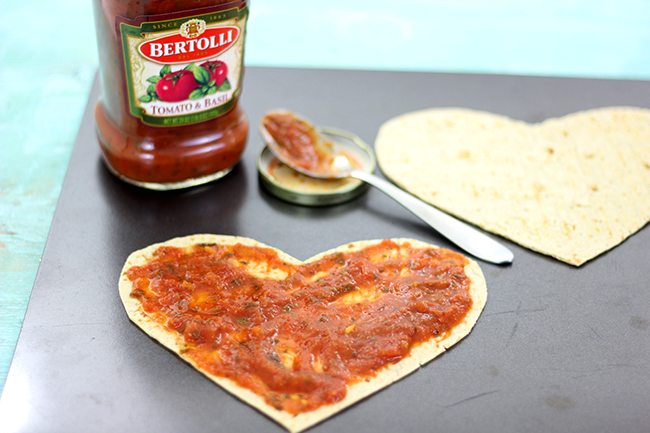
{"x":557,"y":349}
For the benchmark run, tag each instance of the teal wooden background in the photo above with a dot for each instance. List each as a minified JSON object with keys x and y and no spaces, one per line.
{"x":48,"y":61}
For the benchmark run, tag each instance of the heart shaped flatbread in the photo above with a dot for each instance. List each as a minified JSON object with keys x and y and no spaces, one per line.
{"x":300,"y":341}
{"x":571,"y":187}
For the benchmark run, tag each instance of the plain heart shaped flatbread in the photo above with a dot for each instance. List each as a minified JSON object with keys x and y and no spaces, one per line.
{"x":297,"y":340}
{"x":571,"y":187}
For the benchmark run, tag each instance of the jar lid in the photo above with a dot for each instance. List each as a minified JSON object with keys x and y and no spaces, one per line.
{"x":289,"y":185}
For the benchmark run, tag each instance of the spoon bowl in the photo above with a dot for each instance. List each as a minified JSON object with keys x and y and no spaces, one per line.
{"x":340,"y":166}
{"x":292,"y":186}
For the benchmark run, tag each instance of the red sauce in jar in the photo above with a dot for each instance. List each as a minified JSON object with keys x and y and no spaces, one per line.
{"x":171,"y":75}
{"x":299,"y":337}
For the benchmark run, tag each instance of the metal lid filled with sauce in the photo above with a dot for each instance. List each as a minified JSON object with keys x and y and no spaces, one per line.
{"x":292,"y":186}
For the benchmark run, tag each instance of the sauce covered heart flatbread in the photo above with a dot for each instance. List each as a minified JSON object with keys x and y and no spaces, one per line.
{"x":300,"y":341}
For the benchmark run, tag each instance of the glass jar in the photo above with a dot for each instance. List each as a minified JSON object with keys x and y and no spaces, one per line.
{"x":171,"y":74}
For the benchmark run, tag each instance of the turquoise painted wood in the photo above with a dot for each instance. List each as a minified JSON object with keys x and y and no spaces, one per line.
{"x":47,"y":69}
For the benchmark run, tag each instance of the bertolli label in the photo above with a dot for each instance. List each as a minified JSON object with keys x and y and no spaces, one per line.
{"x":184,"y":70}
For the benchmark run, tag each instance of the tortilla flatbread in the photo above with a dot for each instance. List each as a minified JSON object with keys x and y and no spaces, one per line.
{"x":571,"y":187}
{"x":418,"y":356}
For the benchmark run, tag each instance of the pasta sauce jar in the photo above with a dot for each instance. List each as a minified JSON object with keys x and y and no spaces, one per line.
{"x":171,"y":74}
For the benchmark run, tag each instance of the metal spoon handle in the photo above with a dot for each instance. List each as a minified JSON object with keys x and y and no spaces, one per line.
{"x":466,"y":237}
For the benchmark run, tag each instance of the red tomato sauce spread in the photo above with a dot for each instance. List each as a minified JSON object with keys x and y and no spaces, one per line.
{"x":299,"y":336}
{"x":299,"y":141}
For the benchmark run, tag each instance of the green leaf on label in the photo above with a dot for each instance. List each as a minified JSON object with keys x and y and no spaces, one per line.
{"x":145,"y":98}
{"x":225,"y":86}
{"x":212,"y":83}
{"x":201,"y":75}
{"x":153,"y":79}
{"x":165,"y":70}
{"x":151,"y":90}
{"x":212,"y":90}
{"x":196,"y":94}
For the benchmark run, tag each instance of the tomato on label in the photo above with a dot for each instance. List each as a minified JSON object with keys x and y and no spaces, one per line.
{"x":218,"y":71}
{"x":176,"y":86}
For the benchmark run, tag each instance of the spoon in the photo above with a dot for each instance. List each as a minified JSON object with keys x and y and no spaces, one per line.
{"x":321,"y":162}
